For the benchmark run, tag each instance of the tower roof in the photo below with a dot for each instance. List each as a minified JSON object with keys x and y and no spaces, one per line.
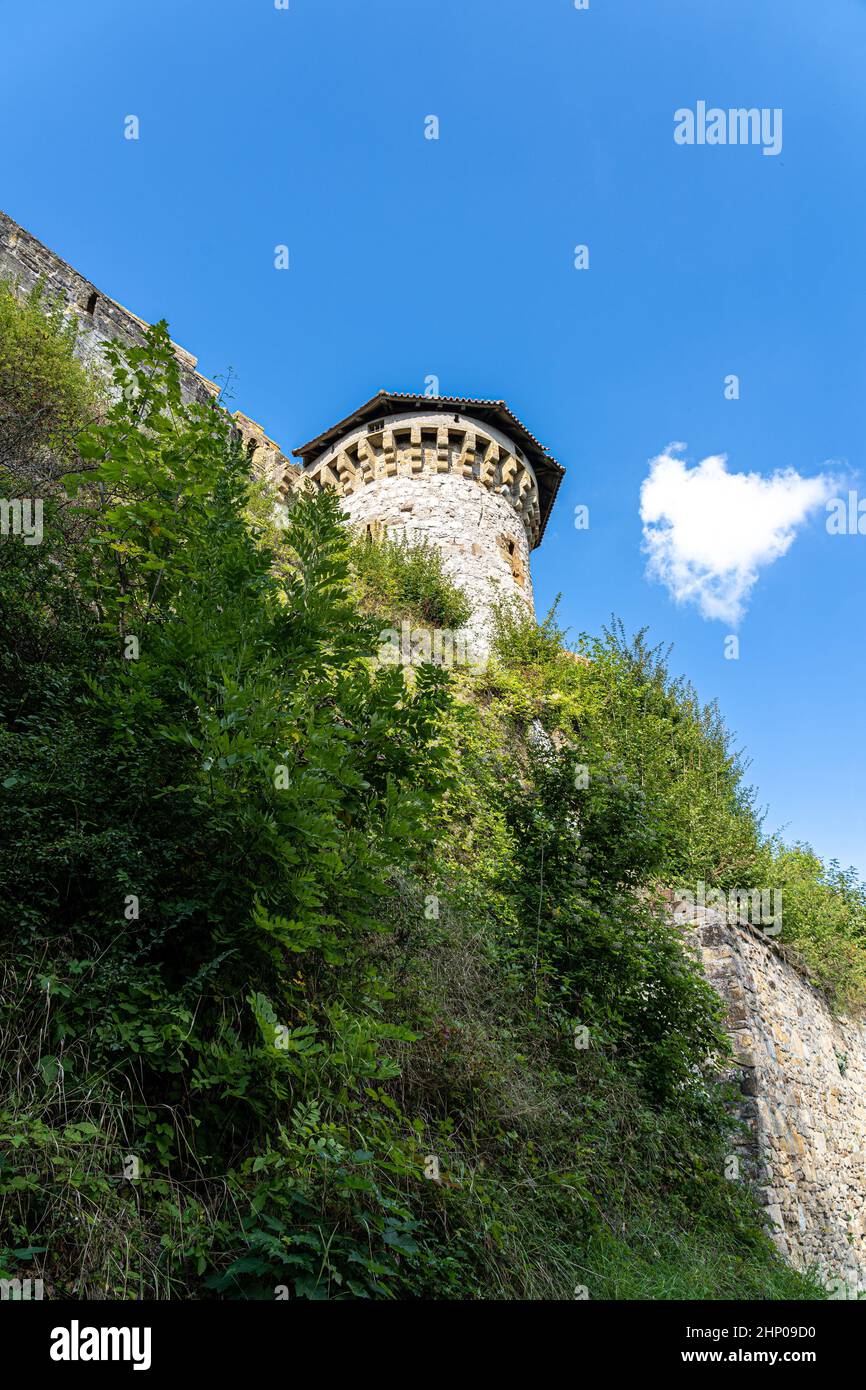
{"x":548,"y":472}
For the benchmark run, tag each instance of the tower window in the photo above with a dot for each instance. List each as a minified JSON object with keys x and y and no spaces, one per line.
{"x":89,"y":305}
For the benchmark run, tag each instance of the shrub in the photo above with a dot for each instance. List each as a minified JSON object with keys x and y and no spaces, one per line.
{"x":823,"y":920}
{"x":46,"y":396}
{"x":406,"y":579}
{"x":196,"y":895}
{"x":280,"y":927}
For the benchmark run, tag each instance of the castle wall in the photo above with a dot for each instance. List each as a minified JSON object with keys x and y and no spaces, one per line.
{"x":470,"y":491}
{"x":802,"y":1078}
{"x":26,"y":262}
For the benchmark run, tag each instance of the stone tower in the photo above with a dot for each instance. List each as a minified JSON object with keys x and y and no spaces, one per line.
{"x":464,"y":475}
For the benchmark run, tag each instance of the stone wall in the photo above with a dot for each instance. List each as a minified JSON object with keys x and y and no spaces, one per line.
{"x":802,"y":1077}
{"x":26,"y":262}
{"x":470,"y":491}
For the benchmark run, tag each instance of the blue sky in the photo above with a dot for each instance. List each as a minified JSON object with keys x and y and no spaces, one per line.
{"x":413,"y":257}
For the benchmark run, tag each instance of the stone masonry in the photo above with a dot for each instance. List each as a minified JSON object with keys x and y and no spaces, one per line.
{"x":802,"y":1077}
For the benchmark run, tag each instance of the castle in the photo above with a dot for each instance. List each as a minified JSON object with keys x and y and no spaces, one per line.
{"x":464,"y":475}
{"x":470,"y":478}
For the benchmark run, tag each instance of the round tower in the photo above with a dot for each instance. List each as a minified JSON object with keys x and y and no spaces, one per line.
{"x":464,"y":475}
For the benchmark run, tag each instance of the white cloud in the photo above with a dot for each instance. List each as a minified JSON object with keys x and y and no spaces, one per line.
{"x":708,"y":532}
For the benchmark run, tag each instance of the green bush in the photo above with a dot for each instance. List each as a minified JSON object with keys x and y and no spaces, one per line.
{"x":620,"y":708}
{"x":823,"y":920}
{"x":295,"y":950}
{"x":405,"y":579}
{"x":46,"y":397}
{"x":190,"y":906}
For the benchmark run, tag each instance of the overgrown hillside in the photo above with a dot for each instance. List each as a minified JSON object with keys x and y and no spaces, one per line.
{"x":323,"y":976}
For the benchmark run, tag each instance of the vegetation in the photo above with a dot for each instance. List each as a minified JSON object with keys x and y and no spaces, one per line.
{"x":823,"y":920}
{"x":326,"y":979}
{"x":45,"y":397}
{"x":620,"y":700}
{"x":406,"y":579}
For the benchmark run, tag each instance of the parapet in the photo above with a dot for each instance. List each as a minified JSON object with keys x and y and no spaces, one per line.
{"x":395,"y":434}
